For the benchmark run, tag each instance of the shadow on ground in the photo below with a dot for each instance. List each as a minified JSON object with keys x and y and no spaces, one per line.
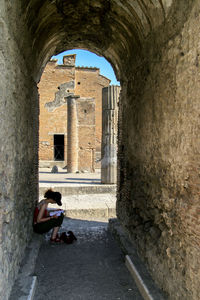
{"x":91,"y":181}
{"x":92,"y":268}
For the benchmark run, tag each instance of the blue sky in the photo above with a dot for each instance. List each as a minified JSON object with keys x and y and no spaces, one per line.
{"x":88,"y":59}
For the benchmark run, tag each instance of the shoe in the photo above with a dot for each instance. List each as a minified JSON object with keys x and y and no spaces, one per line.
{"x":56,"y":240}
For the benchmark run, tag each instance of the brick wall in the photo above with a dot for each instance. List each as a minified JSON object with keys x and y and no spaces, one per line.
{"x":53,"y":121}
{"x":86,"y":82}
{"x":86,"y":134}
{"x":89,"y":83}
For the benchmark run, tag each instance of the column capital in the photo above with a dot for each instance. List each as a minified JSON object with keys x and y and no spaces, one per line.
{"x":72,"y":97}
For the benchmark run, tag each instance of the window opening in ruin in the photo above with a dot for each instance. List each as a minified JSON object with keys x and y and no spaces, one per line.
{"x":59,"y":147}
{"x":79,"y":83}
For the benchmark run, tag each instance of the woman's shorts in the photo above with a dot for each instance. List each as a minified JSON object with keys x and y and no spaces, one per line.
{"x":44,"y":227}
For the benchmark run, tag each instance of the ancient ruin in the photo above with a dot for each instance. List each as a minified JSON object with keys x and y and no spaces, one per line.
{"x":154,"y":49}
{"x":58,"y":83}
{"x":110,"y":103}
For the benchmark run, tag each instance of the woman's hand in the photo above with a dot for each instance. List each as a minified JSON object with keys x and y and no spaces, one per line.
{"x":54,"y":217}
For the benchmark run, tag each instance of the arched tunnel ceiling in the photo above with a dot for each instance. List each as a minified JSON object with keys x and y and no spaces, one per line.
{"x":111,"y":28}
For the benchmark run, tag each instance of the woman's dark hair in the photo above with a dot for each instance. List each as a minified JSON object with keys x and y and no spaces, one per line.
{"x":56,"y":196}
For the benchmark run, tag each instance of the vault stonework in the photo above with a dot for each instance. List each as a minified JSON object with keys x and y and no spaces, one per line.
{"x":154,"y":49}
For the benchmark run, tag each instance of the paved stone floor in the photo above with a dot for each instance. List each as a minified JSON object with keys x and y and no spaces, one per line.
{"x":92,"y":268}
{"x":83,"y":195}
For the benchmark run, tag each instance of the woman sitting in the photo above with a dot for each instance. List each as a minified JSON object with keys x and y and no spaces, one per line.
{"x":42,"y":221}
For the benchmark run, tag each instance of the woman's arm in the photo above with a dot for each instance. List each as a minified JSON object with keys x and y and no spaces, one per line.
{"x":40,"y":217}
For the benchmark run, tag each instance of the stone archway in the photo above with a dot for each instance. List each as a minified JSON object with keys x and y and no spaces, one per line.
{"x":154,"y":49}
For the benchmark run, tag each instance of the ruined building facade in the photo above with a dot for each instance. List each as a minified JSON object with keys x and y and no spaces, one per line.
{"x":71,"y":131}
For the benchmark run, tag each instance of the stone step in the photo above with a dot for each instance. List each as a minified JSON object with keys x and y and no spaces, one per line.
{"x":89,"y":207}
{"x":79,"y":189}
{"x":100,"y":214}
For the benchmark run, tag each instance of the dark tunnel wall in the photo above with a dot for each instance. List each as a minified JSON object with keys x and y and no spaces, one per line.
{"x":154,"y":49}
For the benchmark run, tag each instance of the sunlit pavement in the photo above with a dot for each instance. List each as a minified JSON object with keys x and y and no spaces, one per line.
{"x":47,"y":178}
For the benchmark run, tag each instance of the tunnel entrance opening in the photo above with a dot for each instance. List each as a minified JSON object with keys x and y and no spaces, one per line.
{"x":80,"y":103}
{"x":78,"y":114}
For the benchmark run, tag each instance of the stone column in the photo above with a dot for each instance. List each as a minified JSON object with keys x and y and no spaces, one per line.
{"x":110,"y":97}
{"x":72,"y":134}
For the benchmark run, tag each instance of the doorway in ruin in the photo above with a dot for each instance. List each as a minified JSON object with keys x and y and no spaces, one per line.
{"x":59,"y":145}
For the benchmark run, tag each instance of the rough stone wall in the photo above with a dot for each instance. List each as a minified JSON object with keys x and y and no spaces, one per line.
{"x":18,"y":145}
{"x":159,"y":182}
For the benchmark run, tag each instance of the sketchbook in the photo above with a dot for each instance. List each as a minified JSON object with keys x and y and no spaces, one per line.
{"x":56,"y":213}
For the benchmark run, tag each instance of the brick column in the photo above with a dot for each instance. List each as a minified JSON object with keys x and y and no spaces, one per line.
{"x":110,"y":97}
{"x":72,"y":134}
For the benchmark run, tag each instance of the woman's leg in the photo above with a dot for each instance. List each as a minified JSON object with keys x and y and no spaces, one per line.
{"x":48,"y":225}
{"x":59,"y":221}
{"x":54,"y":232}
